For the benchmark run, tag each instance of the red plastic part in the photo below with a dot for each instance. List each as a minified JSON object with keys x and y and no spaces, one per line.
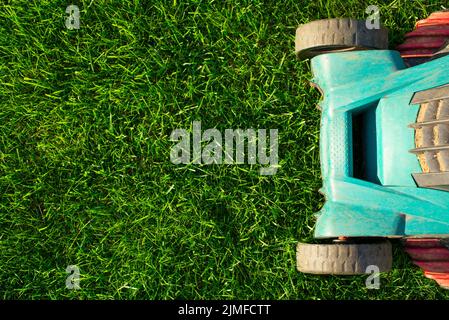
{"x":429,"y":36}
{"x":433,"y":266}
{"x":431,"y":256}
{"x":422,"y":243}
{"x":428,"y":254}
{"x":440,"y":277}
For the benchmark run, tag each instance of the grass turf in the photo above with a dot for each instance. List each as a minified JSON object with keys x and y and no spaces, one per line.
{"x":85,"y":176}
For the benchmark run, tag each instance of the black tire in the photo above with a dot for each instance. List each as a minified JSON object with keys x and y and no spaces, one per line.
{"x":343,"y":258}
{"x":334,"y":35}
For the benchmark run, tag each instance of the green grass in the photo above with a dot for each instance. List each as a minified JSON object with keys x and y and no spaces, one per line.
{"x":85,"y":171}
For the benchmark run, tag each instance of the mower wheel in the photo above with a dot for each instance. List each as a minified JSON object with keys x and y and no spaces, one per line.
{"x":343,"y":258}
{"x":336,"y":35}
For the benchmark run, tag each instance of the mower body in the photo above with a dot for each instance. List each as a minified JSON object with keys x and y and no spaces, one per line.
{"x":372,"y":176}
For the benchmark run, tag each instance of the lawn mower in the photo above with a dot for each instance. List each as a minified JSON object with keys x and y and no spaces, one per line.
{"x":384,"y":146}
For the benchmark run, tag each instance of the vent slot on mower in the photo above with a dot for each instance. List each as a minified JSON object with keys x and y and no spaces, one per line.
{"x":364,"y":144}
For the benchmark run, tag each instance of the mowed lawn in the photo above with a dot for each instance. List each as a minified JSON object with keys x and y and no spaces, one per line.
{"x":85,"y":172}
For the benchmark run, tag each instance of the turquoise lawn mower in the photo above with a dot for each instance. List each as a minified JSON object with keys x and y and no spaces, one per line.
{"x":384,"y":146}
